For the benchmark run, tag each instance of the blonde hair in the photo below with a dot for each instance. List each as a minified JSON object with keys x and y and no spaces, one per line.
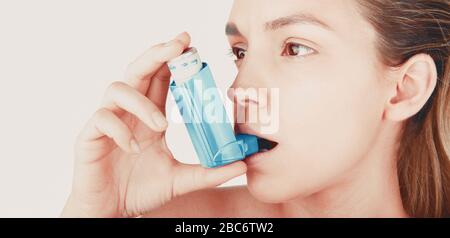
{"x":406,"y":28}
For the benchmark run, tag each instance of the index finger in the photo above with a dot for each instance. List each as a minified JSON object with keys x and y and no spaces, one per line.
{"x":140,"y":73}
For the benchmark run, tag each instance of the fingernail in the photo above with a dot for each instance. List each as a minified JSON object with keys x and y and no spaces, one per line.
{"x":135,"y":146}
{"x":160,"y":120}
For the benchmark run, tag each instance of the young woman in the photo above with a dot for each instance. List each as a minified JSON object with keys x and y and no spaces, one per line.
{"x":364,"y":113}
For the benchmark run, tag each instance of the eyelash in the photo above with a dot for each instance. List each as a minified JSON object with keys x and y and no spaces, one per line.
{"x":233,"y":52}
{"x":236,"y":51}
{"x":301,"y":47}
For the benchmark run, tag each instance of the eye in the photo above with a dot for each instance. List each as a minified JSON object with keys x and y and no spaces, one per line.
{"x":298,"y":50}
{"x":239,"y":53}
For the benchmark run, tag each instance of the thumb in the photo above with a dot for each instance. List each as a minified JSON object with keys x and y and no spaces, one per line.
{"x":190,"y":178}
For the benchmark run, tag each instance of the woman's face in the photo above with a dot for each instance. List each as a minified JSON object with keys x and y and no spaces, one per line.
{"x":321,"y":56}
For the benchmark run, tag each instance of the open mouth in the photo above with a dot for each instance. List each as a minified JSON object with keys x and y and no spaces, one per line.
{"x":266,"y":145}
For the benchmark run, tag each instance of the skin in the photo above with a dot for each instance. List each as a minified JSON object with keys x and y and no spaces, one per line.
{"x":341,"y":113}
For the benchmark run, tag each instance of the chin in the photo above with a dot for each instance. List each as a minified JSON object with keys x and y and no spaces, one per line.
{"x":272,"y":187}
{"x":269,"y":189}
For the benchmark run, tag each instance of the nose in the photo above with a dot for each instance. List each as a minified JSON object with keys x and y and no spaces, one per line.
{"x":251,"y":78}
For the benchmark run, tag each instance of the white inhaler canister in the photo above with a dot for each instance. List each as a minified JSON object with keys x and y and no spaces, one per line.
{"x":204,"y":115}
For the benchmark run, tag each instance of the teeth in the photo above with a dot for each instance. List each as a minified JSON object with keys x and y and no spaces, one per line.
{"x":264,"y":150}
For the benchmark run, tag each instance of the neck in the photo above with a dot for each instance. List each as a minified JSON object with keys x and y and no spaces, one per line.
{"x":371,"y":189}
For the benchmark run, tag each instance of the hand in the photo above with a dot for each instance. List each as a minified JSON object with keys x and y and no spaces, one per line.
{"x":123,"y":167}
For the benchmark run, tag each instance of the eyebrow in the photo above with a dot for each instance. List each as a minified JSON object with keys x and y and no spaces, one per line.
{"x":232,"y":30}
{"x":299,"y":18}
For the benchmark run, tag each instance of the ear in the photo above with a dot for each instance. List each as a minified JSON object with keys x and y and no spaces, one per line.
{"x":415,"y":82}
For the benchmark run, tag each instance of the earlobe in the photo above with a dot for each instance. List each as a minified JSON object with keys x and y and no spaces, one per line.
{"x":415,"y":83}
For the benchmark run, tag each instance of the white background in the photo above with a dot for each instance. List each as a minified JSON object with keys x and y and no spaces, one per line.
{"x":56,"y":59}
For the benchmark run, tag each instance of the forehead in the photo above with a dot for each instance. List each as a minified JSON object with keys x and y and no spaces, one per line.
{"x":339,"y":14}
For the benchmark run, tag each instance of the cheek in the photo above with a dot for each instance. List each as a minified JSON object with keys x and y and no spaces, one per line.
{"x":335,"y":116}
{"x":327,"y":124}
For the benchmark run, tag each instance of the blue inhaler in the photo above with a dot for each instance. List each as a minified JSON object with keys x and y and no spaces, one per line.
{"x":204,"y":115}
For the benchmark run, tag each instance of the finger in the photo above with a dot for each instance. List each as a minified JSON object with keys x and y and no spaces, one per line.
{"x":192,"y":178}
{"x":159,"y":88}
{"x":141,"y":71}
{"x":106,"y":123}
{"x":121,"y":96}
